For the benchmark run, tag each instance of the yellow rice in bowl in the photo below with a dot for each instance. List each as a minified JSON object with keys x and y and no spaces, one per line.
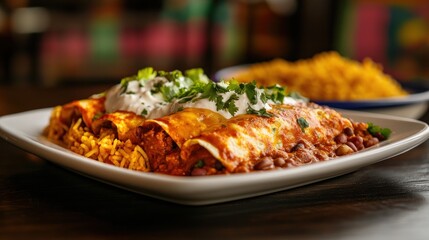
{"x":326,"y":76}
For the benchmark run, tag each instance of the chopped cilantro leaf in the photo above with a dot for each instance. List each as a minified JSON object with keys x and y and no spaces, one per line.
{"x":379,"y":132}
{"x":264,"y":98}
{"x":219,"y":103}
{"x":209,"y":91}
{"x":275,"y":93}
{"x":167,"y":92}
{"x":303,"y":124}
{"x":146,"y":73}
{"x":220,"y":89}
{"x":197,"y":75}
{"x":124,"y":83}
{"x":97,"y":116}
{"x":230,"y":104}
{"x":261,"y":112}
{"x":187,"y":99}
{"x":199,"y":164}
{"x":171,"y":76}
{"x":250,"y":90}
{"x":234,"y":85}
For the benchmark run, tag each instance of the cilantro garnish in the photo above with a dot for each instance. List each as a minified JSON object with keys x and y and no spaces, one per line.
{"x":168,"y":92}
{"x":263,"y":98}
{"x":170,"y":76}
{"x":230,"y":106}
{"x":124,"y":83}
{"x":195,"y":85}
{"x":303,"y":124}
{"x":210,"y":92}
{"x":261,"y":112}
{"x":142,"y":75}
{"x":234,"y":85}
{"x":199,"y":164}
{"x":197,"y":75}
{"x":219,"y":102}
{"x":97,"y":116}
{"x":379,"y":132}
{"x":146,"y":73}
{"x":250,"y":90}
{"x":275,"y":93}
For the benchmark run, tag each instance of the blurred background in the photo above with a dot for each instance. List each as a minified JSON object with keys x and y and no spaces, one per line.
{"x":49,"y":42}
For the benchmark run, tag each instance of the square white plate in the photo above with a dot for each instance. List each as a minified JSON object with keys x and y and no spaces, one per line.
{"x":24,"y":130}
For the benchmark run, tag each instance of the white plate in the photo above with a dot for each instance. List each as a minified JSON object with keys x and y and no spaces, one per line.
{"x":412,"y":106}
{"x":24,"y":130}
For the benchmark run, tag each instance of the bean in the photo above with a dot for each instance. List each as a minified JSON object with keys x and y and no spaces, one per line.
{"x":218,"y":166}
{"x":279,"y":162}
{"x":341,"y":138}
{"x":371,"y":142}
{"x":297,"y":146}
{"x":380,"y":136}
{"x":348,"y":131}
{"x":306,"y":157}
{"x":352,"y":146}
{"x":199,"y":172}
{"x":357,"y":141}
{"x":344,"y":149}
{"x":264,"y":164}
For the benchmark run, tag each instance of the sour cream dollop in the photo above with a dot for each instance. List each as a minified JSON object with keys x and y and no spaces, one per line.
{"x":139,"y":97}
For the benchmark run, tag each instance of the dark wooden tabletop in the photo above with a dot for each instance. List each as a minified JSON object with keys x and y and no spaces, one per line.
{"x":40,"y":200}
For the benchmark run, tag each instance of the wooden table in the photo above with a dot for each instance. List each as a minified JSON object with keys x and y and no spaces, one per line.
{"x":40,"y":200}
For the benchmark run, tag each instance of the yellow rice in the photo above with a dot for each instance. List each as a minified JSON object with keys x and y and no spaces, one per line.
{"x":327,"y":76}
{"x":104,"y":148}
